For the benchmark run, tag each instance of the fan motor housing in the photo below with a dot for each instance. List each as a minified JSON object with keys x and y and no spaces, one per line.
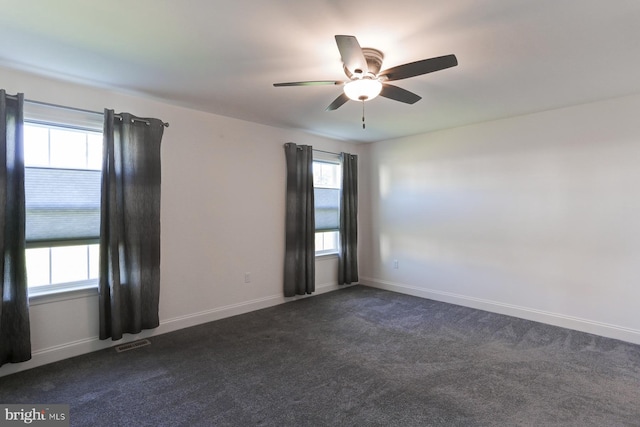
{"x":374,"y":61}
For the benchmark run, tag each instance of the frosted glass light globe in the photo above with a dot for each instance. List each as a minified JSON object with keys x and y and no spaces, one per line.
{"x":363,"y":89}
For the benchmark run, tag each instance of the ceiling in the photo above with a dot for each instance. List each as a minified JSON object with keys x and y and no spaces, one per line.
{"x":515,"y":56}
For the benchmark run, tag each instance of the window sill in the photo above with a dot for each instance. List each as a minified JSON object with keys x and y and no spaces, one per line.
{"x":56,"y":295}
{"x":327,"y":255}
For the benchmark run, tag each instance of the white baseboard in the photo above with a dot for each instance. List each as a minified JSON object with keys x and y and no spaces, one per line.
{"x":76,"y":348}
{"x":570,"y":322}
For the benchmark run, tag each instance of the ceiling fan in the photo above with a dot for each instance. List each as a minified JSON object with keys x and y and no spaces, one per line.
{"x":366,"y":81}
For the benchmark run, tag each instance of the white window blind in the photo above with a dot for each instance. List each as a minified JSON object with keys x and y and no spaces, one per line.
{"x":327,"y":207}
{"x":62,"y":204}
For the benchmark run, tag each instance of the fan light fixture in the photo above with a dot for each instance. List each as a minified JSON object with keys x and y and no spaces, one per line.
{"x":364,"y":89}
{"x":366,"y":81}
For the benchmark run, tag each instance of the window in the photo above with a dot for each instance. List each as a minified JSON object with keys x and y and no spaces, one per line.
{"x":327,"y":178}
{"x":63,"y":161}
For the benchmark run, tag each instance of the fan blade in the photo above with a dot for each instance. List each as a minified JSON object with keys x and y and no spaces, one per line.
{"x":398,"y":94}
{"x":351,"y":53}
{"x":418,"y":68}
{"x":311,"y":83}
{"x":338,"y":102}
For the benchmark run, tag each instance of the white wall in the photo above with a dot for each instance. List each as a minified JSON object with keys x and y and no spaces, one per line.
{"x":222,"y":214}
{"x":536,"y":216}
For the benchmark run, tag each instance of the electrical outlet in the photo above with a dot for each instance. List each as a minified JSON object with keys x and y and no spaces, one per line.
{"x":247,"y":277}
{"x":395,"y":264}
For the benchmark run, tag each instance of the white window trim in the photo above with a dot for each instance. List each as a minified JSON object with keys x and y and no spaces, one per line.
{"x":69,"y":294}
{"x":335,"y":159}
{"x":44,"y":115}
{"x":327,"y":254}
{"x":58,"y":288}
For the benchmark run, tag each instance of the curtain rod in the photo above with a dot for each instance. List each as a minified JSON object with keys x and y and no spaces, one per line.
{"x":313,"y":149}
{"x":82,"y":110}
{"x":336,"y":154}
{"x":64,"y":107}
{"x":327,"y":152}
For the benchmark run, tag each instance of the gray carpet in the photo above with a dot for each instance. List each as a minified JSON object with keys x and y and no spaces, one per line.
{"x":355,"y":357}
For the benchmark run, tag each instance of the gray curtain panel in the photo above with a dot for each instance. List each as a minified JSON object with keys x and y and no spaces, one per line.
{"x":348,"y":259}
{"x":15,"y":339}
{"x":130,"y":225}
{"x":300,"y":256}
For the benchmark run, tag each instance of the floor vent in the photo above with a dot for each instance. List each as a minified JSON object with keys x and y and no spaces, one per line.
{"x":132,"y":345}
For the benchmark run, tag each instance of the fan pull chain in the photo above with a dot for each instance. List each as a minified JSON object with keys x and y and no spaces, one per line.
{"x":363,"y":125}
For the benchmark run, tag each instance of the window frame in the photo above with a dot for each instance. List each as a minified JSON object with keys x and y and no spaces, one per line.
{"x":335,"y":160}
{"x":81,"y":121}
